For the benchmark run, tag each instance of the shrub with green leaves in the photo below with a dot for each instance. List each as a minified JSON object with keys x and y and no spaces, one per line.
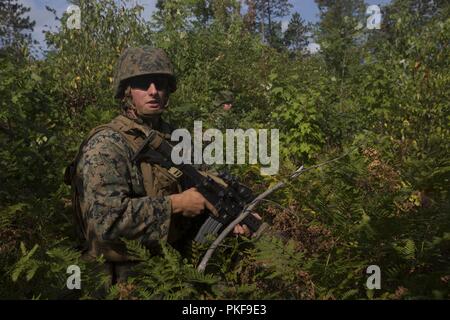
{"x":379,"y":97}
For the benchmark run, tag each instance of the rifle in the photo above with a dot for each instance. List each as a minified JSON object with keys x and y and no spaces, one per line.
{"x":229,"y":200}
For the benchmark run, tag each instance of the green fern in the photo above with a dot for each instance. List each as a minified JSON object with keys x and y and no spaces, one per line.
{"x":406,"y":249}
{"x":25,"y":263}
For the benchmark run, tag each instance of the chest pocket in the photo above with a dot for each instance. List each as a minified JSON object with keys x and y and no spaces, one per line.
{"x":165,"y":183}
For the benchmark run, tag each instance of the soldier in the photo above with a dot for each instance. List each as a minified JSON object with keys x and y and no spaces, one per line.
{"x":224,"y":99}
{"x":223,"y":102}
{"x":115,"y":197}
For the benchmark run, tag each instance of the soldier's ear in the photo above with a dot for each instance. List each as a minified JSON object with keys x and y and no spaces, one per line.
{"x":127,"y":100}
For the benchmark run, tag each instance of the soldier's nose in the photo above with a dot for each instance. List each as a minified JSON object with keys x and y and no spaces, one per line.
{"x":152,"y":89}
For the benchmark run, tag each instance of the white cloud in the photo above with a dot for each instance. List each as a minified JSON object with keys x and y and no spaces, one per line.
{"x":313,"y":48}
{"x":284,"y":25}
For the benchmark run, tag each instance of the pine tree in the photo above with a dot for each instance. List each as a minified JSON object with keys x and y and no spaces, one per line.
{"x":413,"y":14}
{"x":338,"y":32}
{"x":14,"y":25}
{"x":250,"y":17}
{"x":295,"y":36}
{"x":267,"y":11}
{"x":198,"y":12}
{"x":223,"y":10}
{"x":203,"y":11}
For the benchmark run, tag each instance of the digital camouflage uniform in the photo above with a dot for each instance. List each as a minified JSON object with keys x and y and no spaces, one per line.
{"x":115,"y":197}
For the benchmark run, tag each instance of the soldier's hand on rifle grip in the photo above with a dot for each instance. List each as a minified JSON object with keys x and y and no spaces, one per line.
{"x":190,"y":203}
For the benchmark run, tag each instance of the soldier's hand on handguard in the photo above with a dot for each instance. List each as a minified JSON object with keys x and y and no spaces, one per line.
{"x":190,"y":203}
{"x":243,"y":229}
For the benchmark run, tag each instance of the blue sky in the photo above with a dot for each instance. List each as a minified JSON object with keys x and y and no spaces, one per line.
{"x":45,"y":20}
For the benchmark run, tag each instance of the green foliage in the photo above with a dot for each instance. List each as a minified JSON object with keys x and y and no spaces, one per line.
{"x":379,"y":96}
{"x":107,"y":28}
{"x":47,"y":270}
{"x":167,"y":276}
{"x":296,"y":112}
{"x":339,"y":33}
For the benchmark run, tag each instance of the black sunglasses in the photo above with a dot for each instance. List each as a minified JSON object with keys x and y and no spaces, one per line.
{"x":161,"y":82}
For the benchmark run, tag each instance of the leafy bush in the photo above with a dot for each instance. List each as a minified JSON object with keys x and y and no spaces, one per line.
{"x":382,"y":102}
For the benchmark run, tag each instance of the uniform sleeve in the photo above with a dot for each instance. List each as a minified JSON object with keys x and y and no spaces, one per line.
{"x":106,"y":196}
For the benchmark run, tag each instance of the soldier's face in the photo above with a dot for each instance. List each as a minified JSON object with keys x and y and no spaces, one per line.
{"x":149,"y":94}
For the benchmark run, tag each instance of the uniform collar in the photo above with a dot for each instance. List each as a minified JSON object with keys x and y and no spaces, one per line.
{"x":145,"y":126}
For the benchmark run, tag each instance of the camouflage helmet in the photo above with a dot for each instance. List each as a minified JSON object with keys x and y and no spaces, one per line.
{"x":223,"y":97}
{"x":139,"y":61}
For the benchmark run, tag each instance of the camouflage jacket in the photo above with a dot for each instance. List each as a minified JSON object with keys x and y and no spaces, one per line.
{"x":112,"y":197}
